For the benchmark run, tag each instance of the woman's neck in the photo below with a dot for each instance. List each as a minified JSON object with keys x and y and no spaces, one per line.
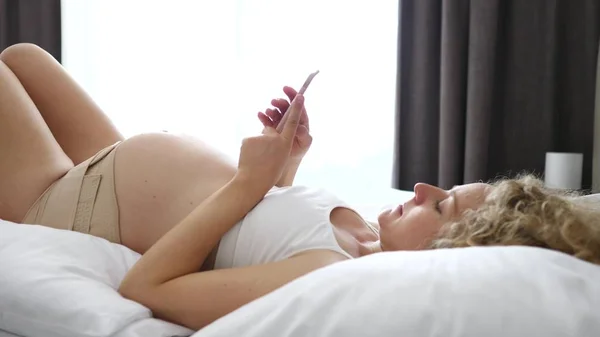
{"x":370,"y":245}
{"x":368,"y":248}
{"x":355,"y":235}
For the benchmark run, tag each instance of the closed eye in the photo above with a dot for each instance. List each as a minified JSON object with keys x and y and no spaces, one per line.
{"x":438,"y":208}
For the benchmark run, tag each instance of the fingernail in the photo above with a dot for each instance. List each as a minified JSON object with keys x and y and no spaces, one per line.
{"x":299,"y":98}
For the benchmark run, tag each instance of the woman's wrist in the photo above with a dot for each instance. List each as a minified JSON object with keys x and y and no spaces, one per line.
{"x":287,"y":178}
{"x":252,"y":185}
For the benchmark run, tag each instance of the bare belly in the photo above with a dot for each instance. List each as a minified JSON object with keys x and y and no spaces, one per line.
{"x":159,"y":179}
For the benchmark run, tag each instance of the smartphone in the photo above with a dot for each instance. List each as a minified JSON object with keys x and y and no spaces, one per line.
{"x":307,"y":82}
{"x":302,"y":90}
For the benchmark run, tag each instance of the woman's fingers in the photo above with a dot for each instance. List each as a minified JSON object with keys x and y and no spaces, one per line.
{"x":275,"y":115}
{"x":290,"y":92}
{"x":281,"y":103}
{"x":279,"y":116}
{"x":265,"y":120}
{"x":291,"y":120}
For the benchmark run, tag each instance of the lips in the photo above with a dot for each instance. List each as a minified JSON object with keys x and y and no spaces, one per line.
{"x":400,"y":209}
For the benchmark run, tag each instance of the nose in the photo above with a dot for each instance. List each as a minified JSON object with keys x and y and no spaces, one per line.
{"x":423,"y":192}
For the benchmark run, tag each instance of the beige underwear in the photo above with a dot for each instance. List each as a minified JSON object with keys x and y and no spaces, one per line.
{"x":83,"y":200}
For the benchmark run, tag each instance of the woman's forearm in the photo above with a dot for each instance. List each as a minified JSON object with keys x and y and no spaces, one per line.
{"x":184,"y":248}
{"x":288,"y":176}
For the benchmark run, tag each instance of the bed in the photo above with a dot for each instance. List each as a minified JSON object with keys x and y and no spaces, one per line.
{"x":146,"y":327}
{"x":63,"y":284}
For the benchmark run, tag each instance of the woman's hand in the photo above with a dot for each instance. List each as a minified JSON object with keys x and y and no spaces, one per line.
{"x":263,"y":159}
{"x":274,"y":117}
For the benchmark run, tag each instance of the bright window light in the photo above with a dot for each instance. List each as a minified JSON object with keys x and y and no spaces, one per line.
{"x":205,"y":68}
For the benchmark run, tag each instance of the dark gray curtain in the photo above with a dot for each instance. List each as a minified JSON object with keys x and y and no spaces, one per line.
{"x":487,"y":87}
{"x":34,"y":21}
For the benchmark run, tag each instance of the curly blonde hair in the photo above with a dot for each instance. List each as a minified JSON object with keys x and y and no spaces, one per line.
{"x":523,"y":212}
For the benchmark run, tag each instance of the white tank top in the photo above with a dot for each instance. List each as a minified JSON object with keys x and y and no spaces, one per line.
{"x":288,"y":221}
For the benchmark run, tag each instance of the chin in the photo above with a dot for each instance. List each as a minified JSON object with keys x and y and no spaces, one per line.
{"x":384,"y":217}
{"x":388,"y":248}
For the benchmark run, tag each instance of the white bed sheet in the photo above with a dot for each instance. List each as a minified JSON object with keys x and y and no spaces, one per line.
{"x":151,"y":327}
{"x":6,"y":334}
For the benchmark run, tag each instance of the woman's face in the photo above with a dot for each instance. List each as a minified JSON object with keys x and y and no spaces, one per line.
{"x":414,"y":224}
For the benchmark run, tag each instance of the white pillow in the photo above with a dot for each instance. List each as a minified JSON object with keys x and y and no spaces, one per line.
{"x":494,"y":291}
{"x":57,"y":283}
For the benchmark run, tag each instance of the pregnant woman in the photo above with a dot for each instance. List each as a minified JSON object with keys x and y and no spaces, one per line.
{"x":216,"y":235}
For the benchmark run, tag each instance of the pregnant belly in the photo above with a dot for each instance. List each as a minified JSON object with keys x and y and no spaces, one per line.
{"x":159,"y":179}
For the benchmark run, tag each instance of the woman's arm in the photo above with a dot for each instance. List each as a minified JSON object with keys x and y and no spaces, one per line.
{"x":198,"y":299}
{"x":302,"y":140}
{"x":184,"y":248}
{"x":287,"y":178}
{"x":166,"y":278}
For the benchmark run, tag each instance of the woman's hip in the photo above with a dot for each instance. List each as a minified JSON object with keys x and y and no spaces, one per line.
{"x":83,"y":200}
{"x":134,"y":191}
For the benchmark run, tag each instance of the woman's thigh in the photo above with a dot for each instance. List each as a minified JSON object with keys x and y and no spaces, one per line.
{"x":159,"y":179}
{"x":77,"y":123}
{"x":30,"y":157}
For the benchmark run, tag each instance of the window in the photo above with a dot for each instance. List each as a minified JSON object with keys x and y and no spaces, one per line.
{"x":205,"y":68}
